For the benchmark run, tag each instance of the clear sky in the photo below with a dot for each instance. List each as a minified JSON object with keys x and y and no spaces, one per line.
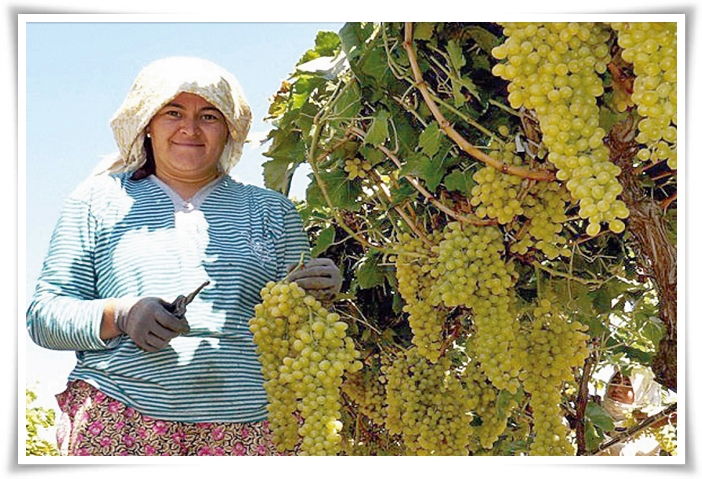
{"x":77,"y":74}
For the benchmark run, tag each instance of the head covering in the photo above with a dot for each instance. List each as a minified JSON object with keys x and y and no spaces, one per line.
{"x":646,"y":393}
{"x":161,"y":81}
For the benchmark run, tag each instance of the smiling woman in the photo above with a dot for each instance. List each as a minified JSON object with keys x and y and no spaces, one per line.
{"x":187,"y":137}
{"x":161,"y":219}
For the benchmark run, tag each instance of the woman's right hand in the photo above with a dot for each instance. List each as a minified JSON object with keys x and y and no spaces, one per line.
{"x":150,"y":324}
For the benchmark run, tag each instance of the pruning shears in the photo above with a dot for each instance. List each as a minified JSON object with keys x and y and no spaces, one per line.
{"x":178,"y":306}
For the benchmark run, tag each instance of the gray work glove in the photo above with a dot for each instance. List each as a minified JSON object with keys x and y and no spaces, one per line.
{"x":319,"y":277}
{"x":149,"y":322}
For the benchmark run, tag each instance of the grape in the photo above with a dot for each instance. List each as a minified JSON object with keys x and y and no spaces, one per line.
{"x":304,"y":353}
{"x":496,"y":194}
{"x":652,"y":49}
{"x":544,"y":208}
{"x":553,"y":346}
{"x":357,"y":168}
{"x":556,"y":72}
{"x":426,"y":405}
{"x":415,"y":286}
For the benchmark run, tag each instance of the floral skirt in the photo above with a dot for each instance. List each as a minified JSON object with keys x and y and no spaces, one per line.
{"x":93,"y":424}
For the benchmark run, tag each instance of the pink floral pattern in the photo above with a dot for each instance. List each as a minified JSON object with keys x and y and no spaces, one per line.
{"x":93,"y":424}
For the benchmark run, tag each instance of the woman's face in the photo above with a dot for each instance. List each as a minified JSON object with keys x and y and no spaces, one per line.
{"x":187,"y":136}
{"x":620,"y":389}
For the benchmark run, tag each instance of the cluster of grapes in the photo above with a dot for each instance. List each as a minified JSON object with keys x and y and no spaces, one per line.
{"x":553,"y":68}
{"x":552,"y":347}
{"x":496,"y":194}
{"x":651,"y":47}
{"x":357,"y":168}
{"x":414,"y":283}
{"x":426,"y":404}
{"x":544,"y":208}
{"x":367,"y":390}
{"x":470,"y":271}
{"x":304,"y":353}
{"x":482,"y":401}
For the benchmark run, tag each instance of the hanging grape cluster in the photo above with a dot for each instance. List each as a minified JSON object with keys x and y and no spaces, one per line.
{"x":651,"y":47}
{"x":554,"y":69}
{"x":553,"y":346}
{"x":304,"y":353}
{"x":426,"y":404}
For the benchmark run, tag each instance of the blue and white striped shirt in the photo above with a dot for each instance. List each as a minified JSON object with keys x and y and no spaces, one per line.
{"x":122,"y":238}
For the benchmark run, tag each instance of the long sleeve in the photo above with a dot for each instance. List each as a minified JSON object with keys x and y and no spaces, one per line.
{"x":65,"y":312}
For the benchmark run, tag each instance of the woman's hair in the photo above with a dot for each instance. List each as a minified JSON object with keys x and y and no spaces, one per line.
{"x":156,"y":85}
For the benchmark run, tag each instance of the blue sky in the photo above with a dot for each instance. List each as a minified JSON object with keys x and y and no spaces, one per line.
{"x":77,"y":74}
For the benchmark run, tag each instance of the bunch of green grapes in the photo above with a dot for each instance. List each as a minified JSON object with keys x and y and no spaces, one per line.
{"x":651,"y":47}
{"x":366,"y":388}
{"x":413,"y":264}
{"x":496,"y":194}
{"x":470,"y":271}
{"x":426,"y":405}
{"x":273,"y":326}
{"x":553,"y":346}
{"x":357,"y":168}
{"x":304,"y":353}
{"x":554,"y":69}
{"x":482,"y":402}
{"x":544,"y":207}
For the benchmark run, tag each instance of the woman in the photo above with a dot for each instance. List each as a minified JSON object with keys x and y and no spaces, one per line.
{"x":164,"y":219}
{"x":628,"y":395}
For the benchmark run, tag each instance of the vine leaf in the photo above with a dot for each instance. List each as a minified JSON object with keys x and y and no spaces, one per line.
{"x":324,"y":240}
{"x":430,"y":139}
{"x":461,"y":181}
{"x":342,"y":192}
{"x":599,"y":416}
{"x":369,"y":273}
{"x":378,"y":131}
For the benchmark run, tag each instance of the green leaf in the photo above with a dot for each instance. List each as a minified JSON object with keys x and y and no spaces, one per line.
{"x":430,"y":139}
{"x":599,"y":416}
{"x":348,"y":104}
{"x":324,"y":240}
{"x":455,"y":52}
{"x":369,"y":273}
{"x":485,"y":39}
{"x":378,"y":131}
{"x":593,"y":437}
{"x":342,"y":193}
{"x":423,"y":167}
{"x":375,"y":64}
{"x":326,"y":43}
{"x":423,"y":30}
{"x":461,"y":181}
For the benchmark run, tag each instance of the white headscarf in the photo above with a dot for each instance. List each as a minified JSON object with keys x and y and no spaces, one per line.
{"x":646,"y":394}
{"x":156,"y":85}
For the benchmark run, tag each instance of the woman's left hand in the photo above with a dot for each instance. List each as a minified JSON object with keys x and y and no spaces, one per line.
{"x":319,"y":277}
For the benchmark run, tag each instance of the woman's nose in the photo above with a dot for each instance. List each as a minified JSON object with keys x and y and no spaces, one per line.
{"x":189,"y":126}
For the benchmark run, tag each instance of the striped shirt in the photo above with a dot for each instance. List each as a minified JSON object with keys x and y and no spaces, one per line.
{"x":122,"y":238}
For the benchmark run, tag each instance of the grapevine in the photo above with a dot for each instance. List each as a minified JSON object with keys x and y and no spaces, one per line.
{"x":470,"y":181}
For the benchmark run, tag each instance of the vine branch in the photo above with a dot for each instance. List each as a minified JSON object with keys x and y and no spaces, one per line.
{"x":446,"y":127}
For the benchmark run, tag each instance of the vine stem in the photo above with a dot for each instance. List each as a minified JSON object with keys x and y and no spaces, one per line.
{"x":446,"y":127}
{"x":421,"y":189}
{"x":582,"y":405}
{"x":632,"y":431}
